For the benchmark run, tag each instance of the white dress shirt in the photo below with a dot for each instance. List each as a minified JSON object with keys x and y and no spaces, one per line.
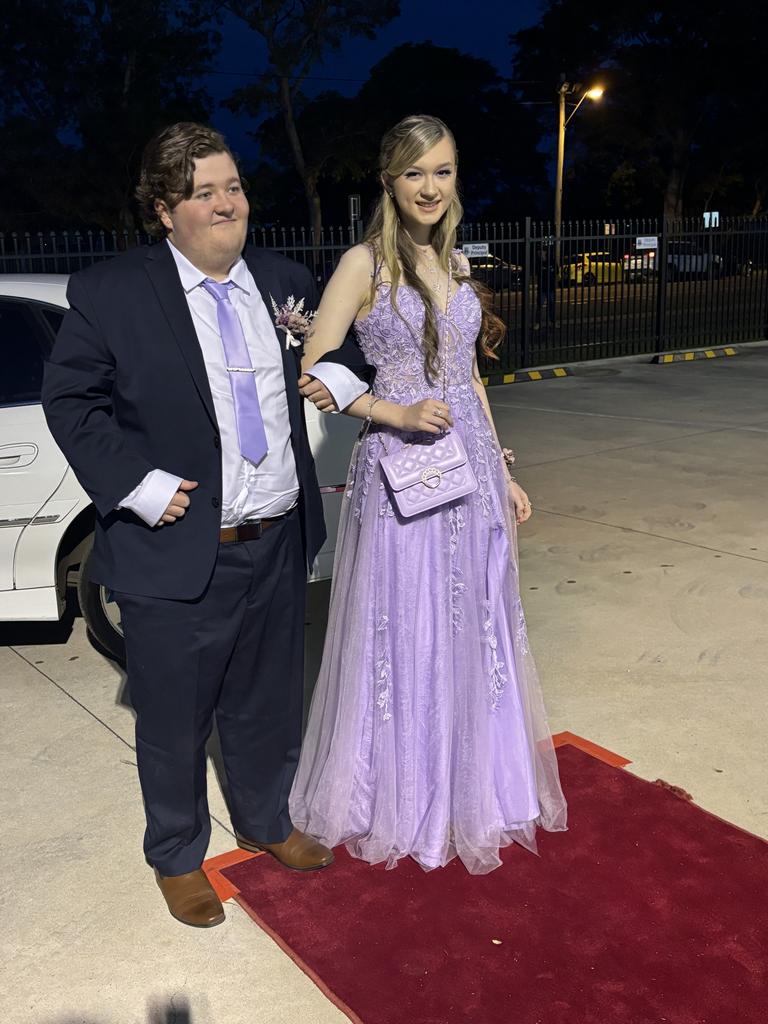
{"x":248,"y":491}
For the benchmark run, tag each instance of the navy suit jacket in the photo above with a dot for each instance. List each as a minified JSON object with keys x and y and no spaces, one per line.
{"x":126,"y":391}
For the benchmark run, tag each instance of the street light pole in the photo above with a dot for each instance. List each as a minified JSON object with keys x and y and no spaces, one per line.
{"x":562,"y":123}
{"x":561,"y":93}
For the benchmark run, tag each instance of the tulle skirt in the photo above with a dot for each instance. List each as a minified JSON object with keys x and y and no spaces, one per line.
{"x":427,"y":734}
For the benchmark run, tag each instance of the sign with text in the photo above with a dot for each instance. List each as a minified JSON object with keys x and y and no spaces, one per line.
{"x":475,"y":249}
{"x":712,"y":219}
{"x":647,"y":242}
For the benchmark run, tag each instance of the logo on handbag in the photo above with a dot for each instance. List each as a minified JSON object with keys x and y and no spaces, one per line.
{"x":431,"y":477}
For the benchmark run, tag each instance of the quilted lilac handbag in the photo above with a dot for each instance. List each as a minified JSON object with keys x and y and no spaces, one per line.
{"x":422,"y":476}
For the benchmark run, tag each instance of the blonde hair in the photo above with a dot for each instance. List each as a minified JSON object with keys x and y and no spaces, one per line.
{"x":394,"y":248}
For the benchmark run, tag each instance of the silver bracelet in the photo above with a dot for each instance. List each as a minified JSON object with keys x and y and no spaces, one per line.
{"x":369,"y":417}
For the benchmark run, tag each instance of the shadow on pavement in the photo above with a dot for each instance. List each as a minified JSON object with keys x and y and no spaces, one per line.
{"x":29,"y":634}
{"x":178,"y":1011}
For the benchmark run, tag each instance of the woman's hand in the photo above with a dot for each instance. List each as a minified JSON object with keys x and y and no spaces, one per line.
{"x":317,"y":393}
{"x":431,"y":416}
{"x":520,"y":501}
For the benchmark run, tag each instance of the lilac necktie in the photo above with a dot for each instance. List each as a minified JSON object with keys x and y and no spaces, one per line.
{"x":250,"y":425}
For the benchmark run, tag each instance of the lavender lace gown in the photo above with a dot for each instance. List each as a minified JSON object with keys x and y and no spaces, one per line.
{"x":427,"y":735}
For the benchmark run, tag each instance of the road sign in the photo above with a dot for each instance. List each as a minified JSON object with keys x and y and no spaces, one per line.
{"x":647,"y":242}
{"x":475,"y":249}
{"x":711,"y":218}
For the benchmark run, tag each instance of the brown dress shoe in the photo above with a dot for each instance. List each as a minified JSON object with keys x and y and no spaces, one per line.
{"x":299,"y":851}
{"x":191,"y":898}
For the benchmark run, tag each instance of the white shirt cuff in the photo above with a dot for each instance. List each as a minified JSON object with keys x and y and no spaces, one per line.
{"x":343,"y":385}
{"x":151,"y":498}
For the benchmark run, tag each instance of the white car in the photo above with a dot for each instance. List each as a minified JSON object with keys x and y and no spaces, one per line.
{"x":687,"y":259}
{"x":46,"y":518}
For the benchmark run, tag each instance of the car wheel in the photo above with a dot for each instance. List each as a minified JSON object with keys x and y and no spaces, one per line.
{"x":102,"y":616}
{"x":589,"y":279}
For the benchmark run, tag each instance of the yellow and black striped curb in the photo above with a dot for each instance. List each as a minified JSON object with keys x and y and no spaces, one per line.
{"x":688,"y":357}
{"x":525,"y":375}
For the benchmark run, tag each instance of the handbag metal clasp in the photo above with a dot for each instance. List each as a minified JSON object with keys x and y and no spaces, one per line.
{"x":431,"y":477}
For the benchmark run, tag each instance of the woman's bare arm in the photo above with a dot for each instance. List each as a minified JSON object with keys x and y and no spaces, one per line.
{"x":345,"y":295}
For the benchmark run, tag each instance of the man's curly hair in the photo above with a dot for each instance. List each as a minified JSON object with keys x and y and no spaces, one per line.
{"x":168,"y":168}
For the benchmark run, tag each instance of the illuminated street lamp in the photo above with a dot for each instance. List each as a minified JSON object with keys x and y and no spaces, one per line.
{"x":593,"y":94}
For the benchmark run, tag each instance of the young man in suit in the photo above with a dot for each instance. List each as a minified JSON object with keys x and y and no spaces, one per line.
{"x":178,"y":405}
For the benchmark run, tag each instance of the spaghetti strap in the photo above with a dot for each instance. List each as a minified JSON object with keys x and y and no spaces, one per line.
{"x":376,"y":264}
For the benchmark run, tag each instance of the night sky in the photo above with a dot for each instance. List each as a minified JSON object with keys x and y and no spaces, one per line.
{"x":480,"y":29}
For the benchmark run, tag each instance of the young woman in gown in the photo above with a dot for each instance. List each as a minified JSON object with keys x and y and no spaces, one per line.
{"x":427,"y":735}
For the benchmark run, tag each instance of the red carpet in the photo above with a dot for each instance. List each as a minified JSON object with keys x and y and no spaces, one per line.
{"x":648,"y":911}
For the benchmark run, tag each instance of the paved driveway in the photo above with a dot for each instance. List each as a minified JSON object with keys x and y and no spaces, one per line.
{"x":645,"y":579}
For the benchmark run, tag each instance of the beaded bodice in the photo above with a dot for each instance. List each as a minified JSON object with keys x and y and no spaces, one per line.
{"x":391,"y":341}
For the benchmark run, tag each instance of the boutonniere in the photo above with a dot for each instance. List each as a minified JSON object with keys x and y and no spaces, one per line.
{"x":291,"y":318}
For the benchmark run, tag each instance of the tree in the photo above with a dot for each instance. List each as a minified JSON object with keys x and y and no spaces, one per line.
{"x":298,"y":34}
{"x":83,"y":84}
{"x":678,"y":76}
{"x":333,"y":146}
{"x":148,"y":59}
{"x":500,"y":167}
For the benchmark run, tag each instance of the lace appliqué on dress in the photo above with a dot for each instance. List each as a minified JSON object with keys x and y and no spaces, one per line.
{"x":362,"y":466}
{"x":456,"y":522}
{"x":383,"y":669}
{"x":485,"y":455}
{"x":521,"y":631}
{"x":498,"y":679}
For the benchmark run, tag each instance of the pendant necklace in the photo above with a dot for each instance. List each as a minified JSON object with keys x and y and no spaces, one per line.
{"x":432,"y":267}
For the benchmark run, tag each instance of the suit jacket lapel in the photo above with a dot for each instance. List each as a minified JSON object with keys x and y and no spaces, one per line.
{"x":269,"y":285}
{"x":164,"y":276}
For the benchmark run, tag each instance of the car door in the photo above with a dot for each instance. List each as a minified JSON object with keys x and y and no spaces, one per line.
{"x":31,"y":466}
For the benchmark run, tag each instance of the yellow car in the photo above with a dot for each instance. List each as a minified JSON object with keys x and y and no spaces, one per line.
{"x":591,"y":268}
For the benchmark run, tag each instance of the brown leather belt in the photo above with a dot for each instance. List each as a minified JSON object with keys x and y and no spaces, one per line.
{"x":248,"y":531}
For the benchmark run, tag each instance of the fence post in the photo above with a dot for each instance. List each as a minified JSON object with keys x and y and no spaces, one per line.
{"x":526,"y":310}
{"x":661,"y":286}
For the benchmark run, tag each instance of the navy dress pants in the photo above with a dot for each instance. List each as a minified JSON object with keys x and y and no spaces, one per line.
{"x":235,"y":653}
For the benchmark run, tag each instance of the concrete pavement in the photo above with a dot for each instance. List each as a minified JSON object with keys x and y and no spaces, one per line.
{"x":645,"y":580}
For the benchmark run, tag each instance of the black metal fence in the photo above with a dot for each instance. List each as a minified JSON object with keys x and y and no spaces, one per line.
{"x":604,"y":289}
{"x":64,"y":252}
{"x":622,"y":287}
